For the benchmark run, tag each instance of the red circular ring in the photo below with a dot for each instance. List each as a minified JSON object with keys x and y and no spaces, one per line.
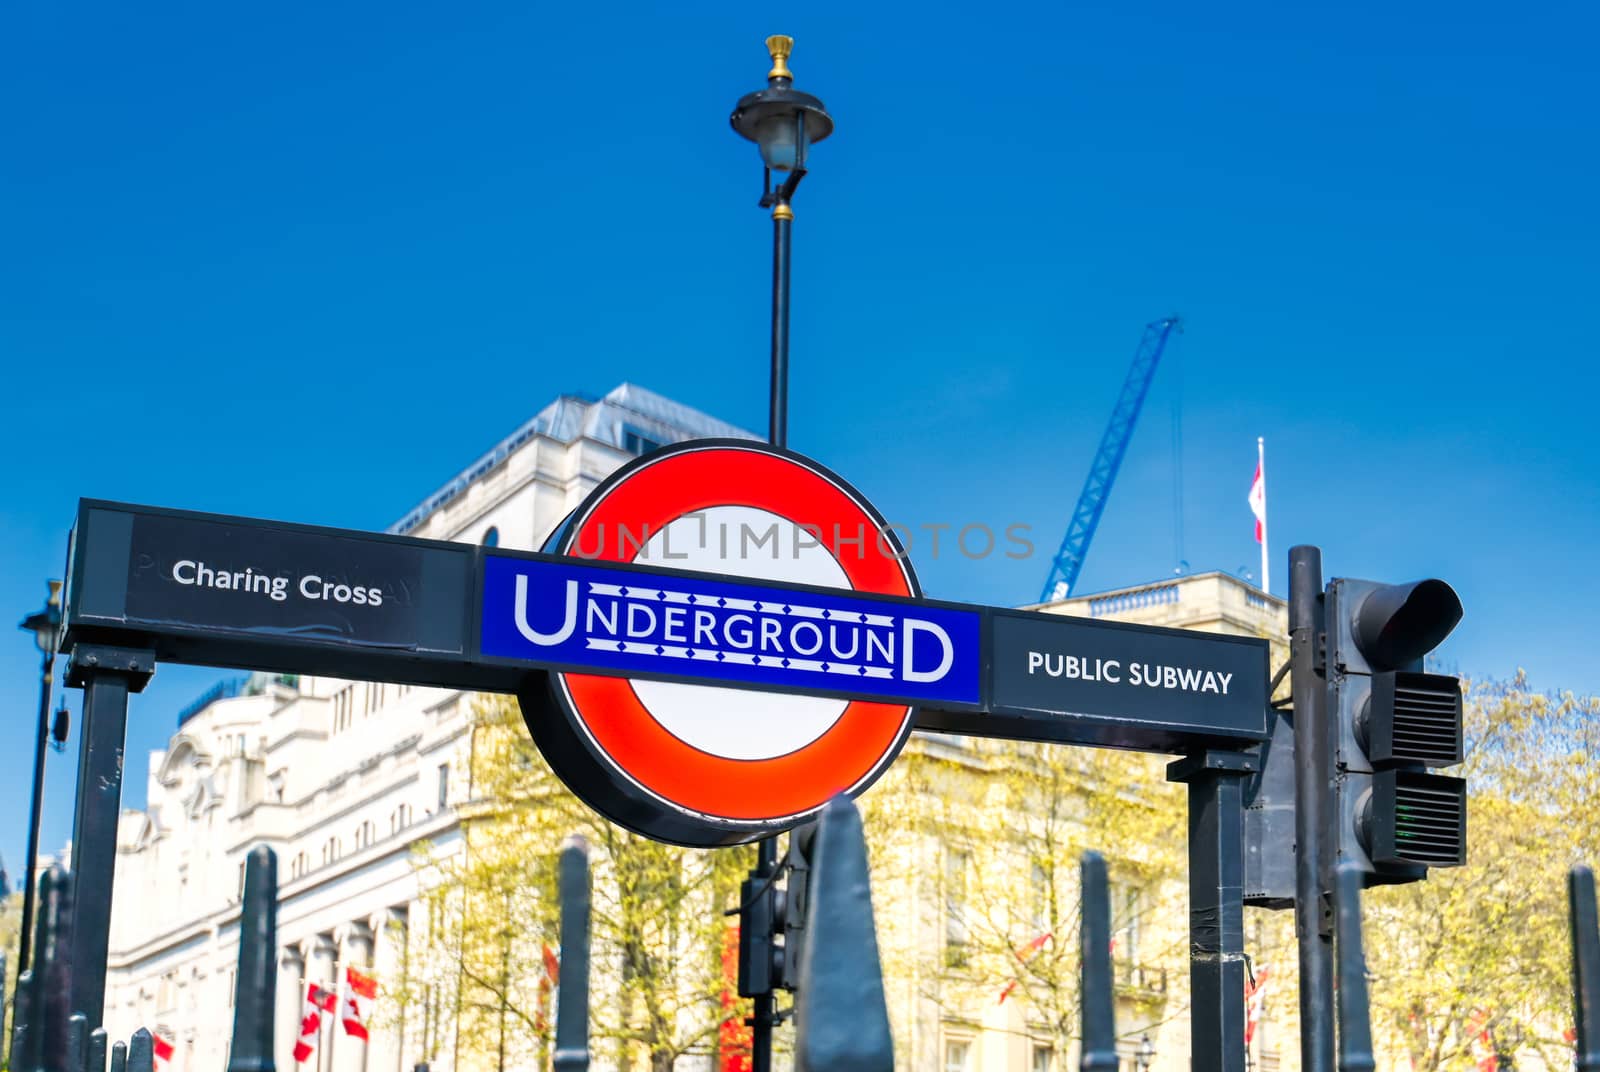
{"x":863,"y":738}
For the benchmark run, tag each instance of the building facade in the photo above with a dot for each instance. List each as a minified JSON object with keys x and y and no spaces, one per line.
{"x":345,"y":780}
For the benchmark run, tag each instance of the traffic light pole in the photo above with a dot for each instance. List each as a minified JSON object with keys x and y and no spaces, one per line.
{"x":1312,"y":811}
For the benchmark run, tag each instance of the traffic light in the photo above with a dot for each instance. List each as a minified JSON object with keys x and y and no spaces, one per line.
{"x":1393,"y":725}
{"x":771,"y":911}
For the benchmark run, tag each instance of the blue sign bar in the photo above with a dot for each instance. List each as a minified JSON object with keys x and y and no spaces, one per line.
{"x":691,"y":628}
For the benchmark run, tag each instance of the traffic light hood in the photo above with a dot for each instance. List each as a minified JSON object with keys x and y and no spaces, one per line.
{"x":1394,"y":625}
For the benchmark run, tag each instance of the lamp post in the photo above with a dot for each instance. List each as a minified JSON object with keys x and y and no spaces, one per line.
{"x":784,"y":123}
{"x":45,"y":625}
{"x":1146,"y":1054}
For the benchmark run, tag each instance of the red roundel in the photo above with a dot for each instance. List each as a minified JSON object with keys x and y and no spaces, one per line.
{"x":711,"y":765}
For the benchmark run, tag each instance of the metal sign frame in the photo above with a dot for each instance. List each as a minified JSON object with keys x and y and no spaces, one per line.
{"x":119,"y":623}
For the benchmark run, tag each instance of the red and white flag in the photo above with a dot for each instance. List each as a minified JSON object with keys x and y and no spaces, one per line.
{"x":161,"y":1047}
{"x":360,"y":992}
{"x":1258,"y":507}
{"x":1258,"y":503}
{"x":318,"y":1001}
{"x":1255,"y":996}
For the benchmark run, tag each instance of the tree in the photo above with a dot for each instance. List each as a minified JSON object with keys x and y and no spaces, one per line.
{"x":1475,"y":960}
{"x":986,"y":837}
{"x":658,"y":920}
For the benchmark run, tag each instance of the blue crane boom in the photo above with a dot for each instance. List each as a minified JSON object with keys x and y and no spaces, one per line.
{"x":1107,"y":460}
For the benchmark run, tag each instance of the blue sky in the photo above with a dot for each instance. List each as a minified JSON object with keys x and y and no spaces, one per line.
{"x":307,"y":264}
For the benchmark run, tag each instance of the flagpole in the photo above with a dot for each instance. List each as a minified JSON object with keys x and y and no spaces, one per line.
{"x":1261,"y":461}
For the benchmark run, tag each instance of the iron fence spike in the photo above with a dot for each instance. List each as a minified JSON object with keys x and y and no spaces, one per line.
{"x":1096,"y":997}
{"x":96,"y":1057}
{"x":572,"y":988}
{"x":1585,"y":968}
{"x":256,"y":982}
{"x":77,"y":1043}
{"x":141,"y":1051}
{"x":119,"y":1057}
{"x":1355,"y":1024}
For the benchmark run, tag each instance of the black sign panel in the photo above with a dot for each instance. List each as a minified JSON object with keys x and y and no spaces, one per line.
{"x":278,"y":582}
{"x":233,"y":591}
{"x":1094,"y":682}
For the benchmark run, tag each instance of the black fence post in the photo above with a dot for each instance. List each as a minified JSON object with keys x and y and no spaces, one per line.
{"x":1585,"y":968}
{"x":572,"y":993}
{"x":97,"y":1051}
{"x":1355,"y":1022}
{"x":21,"y":1023}
{"x":1096,"y":996}
{"x":51,"y":1008}
{"x":841,"y":1017}
{"x":119,"y":1057}
{"x":141,"y":1052}
{"x":77,"y":1043}
{"x":256,"y":984}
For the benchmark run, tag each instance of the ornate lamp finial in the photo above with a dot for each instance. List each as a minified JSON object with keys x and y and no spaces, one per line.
{"x":780,"y":47}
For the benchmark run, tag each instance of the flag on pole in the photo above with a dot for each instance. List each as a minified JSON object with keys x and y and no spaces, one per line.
{"x":161,"y":1047}
{"x":1258,"y":506}
{"x":1255,"y":996}
{"x":318,"y":1001}
{"x":1258,"y":503}
{"x":360,"y":992}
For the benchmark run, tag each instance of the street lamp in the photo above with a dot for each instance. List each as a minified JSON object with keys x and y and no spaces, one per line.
{"x":45,"y":625}
{"x":784,"y":123}
{"x":1146,"y":1054}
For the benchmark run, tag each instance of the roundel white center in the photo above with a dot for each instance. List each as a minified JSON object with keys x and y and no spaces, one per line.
{"x":735,"y":723}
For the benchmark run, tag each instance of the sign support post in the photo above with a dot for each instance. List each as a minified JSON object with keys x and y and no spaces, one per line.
{"x":1216,"y":905}
{"x":107,"y":675}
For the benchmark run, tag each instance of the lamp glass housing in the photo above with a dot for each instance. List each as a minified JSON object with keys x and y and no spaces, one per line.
{"x":782,"y":141}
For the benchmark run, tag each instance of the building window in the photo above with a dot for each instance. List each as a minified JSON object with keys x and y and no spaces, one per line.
{"x":955,"y":908}
{"x":1044,"y":1058}
{"x":342,"y":703}
{"x":1126,"y":909}
{"x":374,"y":698}
{"x":957,"y":1055}
{"x":364,"y":835}
{"x":330,"y":851}
{"x":297,"y":866}
{"x":1039,"y":900}
{"x":492,"y":537}
{"x":400,"y":818}
{"x":634,"y":443}
{"x":444,"y":784}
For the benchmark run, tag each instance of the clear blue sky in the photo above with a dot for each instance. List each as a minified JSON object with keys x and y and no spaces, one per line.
{"x":307,"y":263}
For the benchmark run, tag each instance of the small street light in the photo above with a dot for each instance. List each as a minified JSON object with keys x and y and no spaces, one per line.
{"x":784,"y":123}
{"x":1146,"y":1054}
{"x":45,"y":625}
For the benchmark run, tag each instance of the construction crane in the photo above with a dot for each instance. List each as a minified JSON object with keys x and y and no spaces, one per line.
{"x":1107,"y":460}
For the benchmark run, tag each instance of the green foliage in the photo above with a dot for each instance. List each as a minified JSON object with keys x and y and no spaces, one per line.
{"x":658,"y":923}
{"x":1478,"y":957}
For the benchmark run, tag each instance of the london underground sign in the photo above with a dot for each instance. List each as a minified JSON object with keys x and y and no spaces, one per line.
{"x":702,"y":762}
{"x":723,"y":637}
